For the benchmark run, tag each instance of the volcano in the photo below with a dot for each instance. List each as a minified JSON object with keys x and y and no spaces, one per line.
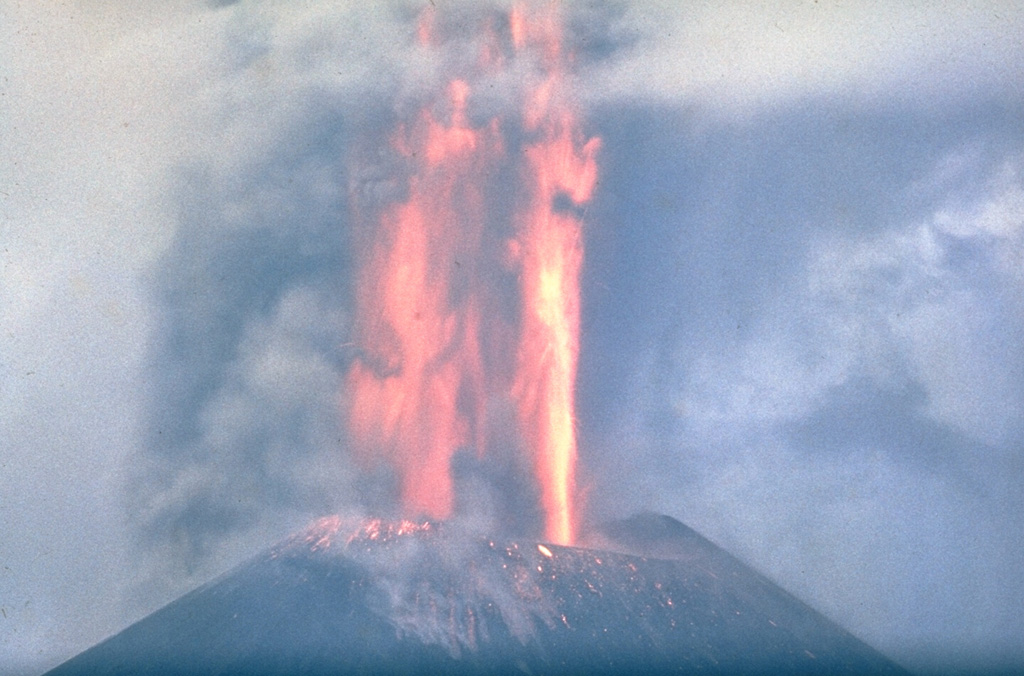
{"x":405,"y":597}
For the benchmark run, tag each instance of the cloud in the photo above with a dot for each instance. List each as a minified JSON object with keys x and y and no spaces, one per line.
{"x":946,"y":294}
{"x":248,"y":355}
{"x":736,"y":59}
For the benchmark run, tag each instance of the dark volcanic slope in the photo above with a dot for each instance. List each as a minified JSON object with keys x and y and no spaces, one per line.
{"x":407,"y":598}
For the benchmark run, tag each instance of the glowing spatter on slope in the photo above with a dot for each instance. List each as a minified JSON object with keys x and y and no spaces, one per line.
{"x":487,"y":201}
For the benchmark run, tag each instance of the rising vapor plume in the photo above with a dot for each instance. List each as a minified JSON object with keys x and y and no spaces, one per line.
{"x":468,"y":299}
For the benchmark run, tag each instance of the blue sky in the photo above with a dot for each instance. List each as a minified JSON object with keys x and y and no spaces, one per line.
{"x":803,"y":296}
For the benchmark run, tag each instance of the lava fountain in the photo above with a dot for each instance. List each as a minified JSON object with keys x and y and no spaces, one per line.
{"x":468,"y":299}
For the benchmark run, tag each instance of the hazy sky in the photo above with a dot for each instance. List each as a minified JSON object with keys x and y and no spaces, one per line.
{"x":803,"y":295}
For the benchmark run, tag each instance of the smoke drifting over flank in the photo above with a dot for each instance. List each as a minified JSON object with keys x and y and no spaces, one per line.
{"x":803,"y":296}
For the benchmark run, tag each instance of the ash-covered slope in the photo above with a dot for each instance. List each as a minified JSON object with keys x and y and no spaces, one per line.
{"x":400,"y":597}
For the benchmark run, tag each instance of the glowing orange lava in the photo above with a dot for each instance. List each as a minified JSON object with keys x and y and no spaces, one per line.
{"x":488,"y":199}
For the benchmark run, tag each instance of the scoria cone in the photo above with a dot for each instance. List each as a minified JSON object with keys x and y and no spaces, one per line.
{"x":416,"y":598}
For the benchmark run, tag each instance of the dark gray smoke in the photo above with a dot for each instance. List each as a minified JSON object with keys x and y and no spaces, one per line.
{"x":250,"y":347}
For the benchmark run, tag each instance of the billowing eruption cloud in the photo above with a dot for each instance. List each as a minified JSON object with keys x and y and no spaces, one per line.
{"x":410,"y":244}
{"x":468,"y":286}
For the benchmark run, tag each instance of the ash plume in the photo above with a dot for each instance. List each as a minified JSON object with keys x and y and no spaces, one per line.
{"x":255,"y":331}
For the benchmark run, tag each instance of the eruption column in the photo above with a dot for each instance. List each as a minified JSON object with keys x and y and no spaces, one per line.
{"x":435,"y":342}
